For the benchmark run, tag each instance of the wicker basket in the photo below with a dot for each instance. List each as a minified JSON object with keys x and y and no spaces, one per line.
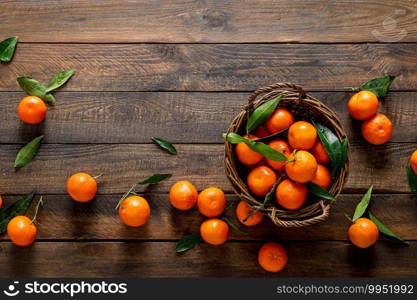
{"x":304,"y":107}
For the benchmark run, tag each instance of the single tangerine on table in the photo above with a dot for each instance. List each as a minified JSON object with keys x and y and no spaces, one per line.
{"x":260,"y":180}
{"x":82,"y":187}
{"x":134,"y":211}
{"x":21,"y":231}
{"x":363,"y":233}
{"x":272,"y":257}
{"x":32,"y":110}
{"x":245,"y":154}
{"x":363,"y":105}
{"x":301,"y":166}
{"x":322,"y":177}
{"x":283,"y":147}
{"x":214,"y":231}
{"x":291,"y":195}
{"x":320,"y":153}
{"x":183,"y":195}
{"x":377,"y":130}
{"x":280,"y":119}
{"x":302,"y":135}
{"x":413,"y":161}
{"x":243,"y":211}
{"x":211,"y":202}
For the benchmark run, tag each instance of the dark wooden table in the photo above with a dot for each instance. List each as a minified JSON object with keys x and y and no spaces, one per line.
{"x":181,"y":70}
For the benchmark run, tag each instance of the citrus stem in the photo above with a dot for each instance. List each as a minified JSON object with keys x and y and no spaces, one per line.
{"x":126,"y":195}
{"x":98,"y":176}
{"x":40,"y":202}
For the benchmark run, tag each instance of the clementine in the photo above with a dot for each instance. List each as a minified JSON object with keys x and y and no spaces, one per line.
{"x":363,"y":105}
{"x":302,"y":135}
{"x":413,"y":162}
{"x":32,"y":110}
{"x":377,"y":130}
{"x":243,"y":211}
{"x":301,"y":166}
{"x":22,"y":231}
{"x":363,"y":233}
{"x":320,"y":153}
{"x":134,"y":211}
{"x":82,"y":187}
{"x":211,"y":202}
{"x":245,"y":154}
{"x":284,"y":148}
{"x":272,"y":257}
{"x":280,"y":119}
{"x":291,"y":195}
{"x":183,"y":195}
{"x":260,"y":180}
{"x":322,"y":177}
{"x":214,"y":231}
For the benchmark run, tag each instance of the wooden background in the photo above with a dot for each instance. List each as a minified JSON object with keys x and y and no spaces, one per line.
{"x":181,"y":70}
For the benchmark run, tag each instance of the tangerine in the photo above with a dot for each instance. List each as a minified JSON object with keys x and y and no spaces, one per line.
{"x":291,"y":195}
{"x":363,"y":233}
{"x":260,"y":180}
{"x":134,"y":211}
{"x":280,"y":119}
{"x":246,"y":155}
{"x":243,"y":211}
{"x":301,"y":166}
{"x":32,"y":110}
{"x":82,"y":187}
{"x":21,"y":230}
{"x":413,"y":162}
{"x":183,"y":195}
{"x":272,"y":257}
{"x":284,"y":148}
{"x":302,"y":135}
{"x":320,"y":153}
{"x":363,"y":105}
{"x":214,"y":231}
{"x":211,"y":202}
{"x":377,"y":130}
{"x":322,"y":177}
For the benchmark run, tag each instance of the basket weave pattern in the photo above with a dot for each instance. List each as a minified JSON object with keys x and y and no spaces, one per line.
{"x":304,"y":107}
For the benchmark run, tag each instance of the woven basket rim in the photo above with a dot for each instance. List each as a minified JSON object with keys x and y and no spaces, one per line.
{"x":294,"y":96}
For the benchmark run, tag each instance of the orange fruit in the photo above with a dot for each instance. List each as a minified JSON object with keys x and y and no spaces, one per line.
{"x":363,"y":105}
{"x":377,"y":130}
{"x":322,"y":177}
{"x":243,"y":211}
{"x":32,"y":110}
{"x":214,"y":231}
{"x":363,"y":233}
{"x":134,"y":211}
{"x":261,"y":131}
{"x":291,"y":195}
{"x":272,"y":257}
{"x":82,"y":187}
{"x":320,"y":153}
{"x":301,"y":166}
{"x":261,"y":180}
{"x":246,"y":155}
{"x":284,"y":148}
{"x":183,"y":195}
{"x":302,"y":135}
{"x":280,"y":119}
{"x":1,"y":201}
{"x":211,"y":202}
{"x":413,"y":162}
{"x":21,"y":231}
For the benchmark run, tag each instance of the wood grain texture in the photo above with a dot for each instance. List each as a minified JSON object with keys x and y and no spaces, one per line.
{"x":64,"y":219}
{"x":233,"y":259}
{"x":219,"y":67}
{"x":209,"y":21}
{"x":124,"y":164}
{"x":133,"y":117}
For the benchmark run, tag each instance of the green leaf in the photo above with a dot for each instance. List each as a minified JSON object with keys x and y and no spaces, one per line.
{"x":7,"y":48}
{"x":17,"y":208}
{"x":362,"y":205}
{"x":59,"y":80}
{"x":318,"y":191}
{"x":32,"y":87}
{"x":378,"y":86}
{"x":28,"y":152}
{"x":412,"y":179}
{"x":188,"y":242}
{"x":164,"y":144}
{"x":336,"y":150}
{"x":260,"y":148}
{"x":384,"y":229}
{"x":50,"y":98}
{"x":261,"y":114}
{"x":155,"y":178}
{"x":233,"y":225}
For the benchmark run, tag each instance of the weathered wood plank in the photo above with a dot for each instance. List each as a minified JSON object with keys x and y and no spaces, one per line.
{"x":132,"y":117}
{"x":209,"y":21}
{"x":158,"y":259}
{"x":62,"y":218}
{"x":124,"y":164}
{"x":227,"y":67}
